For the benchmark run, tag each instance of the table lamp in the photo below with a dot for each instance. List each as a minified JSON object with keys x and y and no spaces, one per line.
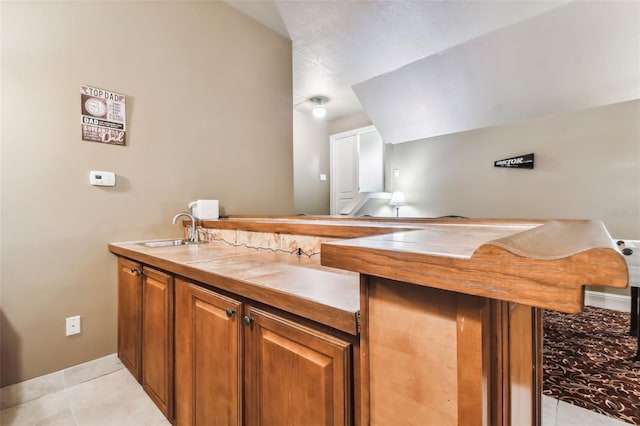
{"x":397,"y":200}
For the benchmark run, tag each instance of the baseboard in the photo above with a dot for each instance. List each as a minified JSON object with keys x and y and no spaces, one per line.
{"x":617,"y":302}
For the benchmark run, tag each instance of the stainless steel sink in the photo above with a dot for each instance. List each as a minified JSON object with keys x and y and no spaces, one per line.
{"x":168,"y":243}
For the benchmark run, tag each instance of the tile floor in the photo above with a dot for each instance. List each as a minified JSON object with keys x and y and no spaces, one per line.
{"x":98,"y":393}
{"x":560,"y":413}
{"x":115,"y":398}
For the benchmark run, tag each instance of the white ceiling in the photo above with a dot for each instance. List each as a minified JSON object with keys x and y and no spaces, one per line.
{"x":338,"y":44}
{"x":582,"y":55}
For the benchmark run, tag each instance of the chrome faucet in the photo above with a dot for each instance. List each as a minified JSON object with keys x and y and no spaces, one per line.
{"x":193,"y":231}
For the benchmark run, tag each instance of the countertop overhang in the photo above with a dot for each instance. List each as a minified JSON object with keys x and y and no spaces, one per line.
{"x":543,"y":264}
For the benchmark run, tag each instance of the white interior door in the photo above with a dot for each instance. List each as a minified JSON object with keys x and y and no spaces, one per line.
{"x":344,"y":171}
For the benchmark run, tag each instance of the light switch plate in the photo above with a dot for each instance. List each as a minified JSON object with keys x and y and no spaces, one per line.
{"x":73,"y":325}
{"x":99,"y":178}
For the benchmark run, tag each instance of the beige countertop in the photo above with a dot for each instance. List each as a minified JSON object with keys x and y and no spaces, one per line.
{"x":296,"y":284}
{"x":535,"y":262}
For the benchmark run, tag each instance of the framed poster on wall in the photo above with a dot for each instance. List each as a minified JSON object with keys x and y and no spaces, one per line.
{"x":103,"y":116}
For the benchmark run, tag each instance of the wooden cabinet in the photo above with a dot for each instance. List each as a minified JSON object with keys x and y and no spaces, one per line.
{"x":145,"y":329}
{"x":157,"y":338}
{"x":231,"y":363}
{"x":295,"y":375}
{"x":130,"y":315}
{"x":231,"y":355}
{"x":208,"y":381}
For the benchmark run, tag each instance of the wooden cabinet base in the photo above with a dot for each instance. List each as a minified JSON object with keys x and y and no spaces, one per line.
{"x":236,"y":364}
{"x":437,"y":357}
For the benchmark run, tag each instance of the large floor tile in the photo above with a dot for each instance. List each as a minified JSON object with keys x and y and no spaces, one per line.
{"x":49,"y":410}
{"x":115,"y":399}
{"x":549,"y":410}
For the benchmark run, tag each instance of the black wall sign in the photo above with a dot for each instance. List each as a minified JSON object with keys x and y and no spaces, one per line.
{"x":520,"y":162}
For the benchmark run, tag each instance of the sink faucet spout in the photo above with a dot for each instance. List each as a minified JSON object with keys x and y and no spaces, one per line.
{"x":193,"y":231}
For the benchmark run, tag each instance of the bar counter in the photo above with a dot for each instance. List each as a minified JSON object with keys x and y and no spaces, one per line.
{"x":451,"y":314}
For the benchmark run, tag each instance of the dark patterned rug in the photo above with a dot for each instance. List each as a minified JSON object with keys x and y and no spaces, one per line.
{"x":589,"y":362}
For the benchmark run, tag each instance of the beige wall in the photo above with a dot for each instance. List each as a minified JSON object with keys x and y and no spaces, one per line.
{"x":310,"y":159}
{"x":197,"y":76}
{"x":587,"y":165}
{"x":350,"y":122}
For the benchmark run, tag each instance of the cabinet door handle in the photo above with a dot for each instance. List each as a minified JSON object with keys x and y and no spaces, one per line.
{"x":230,"y":312}
{"x":136,"y":271}
{"x":247,"y":320}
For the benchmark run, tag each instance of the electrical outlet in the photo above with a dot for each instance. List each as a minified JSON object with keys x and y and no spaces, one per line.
{"x":73,"y":325}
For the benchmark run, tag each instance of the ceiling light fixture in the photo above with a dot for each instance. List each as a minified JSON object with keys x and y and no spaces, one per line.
{"x":319,"y":110}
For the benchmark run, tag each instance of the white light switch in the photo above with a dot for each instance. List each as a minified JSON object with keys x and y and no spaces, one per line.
{"x":323,"y":176}
{"x":98,"y":178}
{"x":73,"y":325}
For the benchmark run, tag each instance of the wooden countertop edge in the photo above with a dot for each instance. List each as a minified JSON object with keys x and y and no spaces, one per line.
{"x":308,"y":229}
{"x":327,"y":315}
{"x":552,"y":278}
{"x":555,"y":240}
{"x":339,"y":227}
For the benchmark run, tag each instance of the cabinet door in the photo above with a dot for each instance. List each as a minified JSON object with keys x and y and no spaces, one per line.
{"x":208,"y":357}
{"x":295,"y":375}
{"x":130,"y":315}
{"x":157,"y":338}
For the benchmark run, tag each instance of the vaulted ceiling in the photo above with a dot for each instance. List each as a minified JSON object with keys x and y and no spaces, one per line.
{"x":425,"y":68}
{"x":338,"y":44}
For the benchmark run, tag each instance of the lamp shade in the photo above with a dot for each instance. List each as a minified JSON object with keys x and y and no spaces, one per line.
{"x":398,"y":199}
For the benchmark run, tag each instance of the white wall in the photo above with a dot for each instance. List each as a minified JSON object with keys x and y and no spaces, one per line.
{"x":587,"y":166}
